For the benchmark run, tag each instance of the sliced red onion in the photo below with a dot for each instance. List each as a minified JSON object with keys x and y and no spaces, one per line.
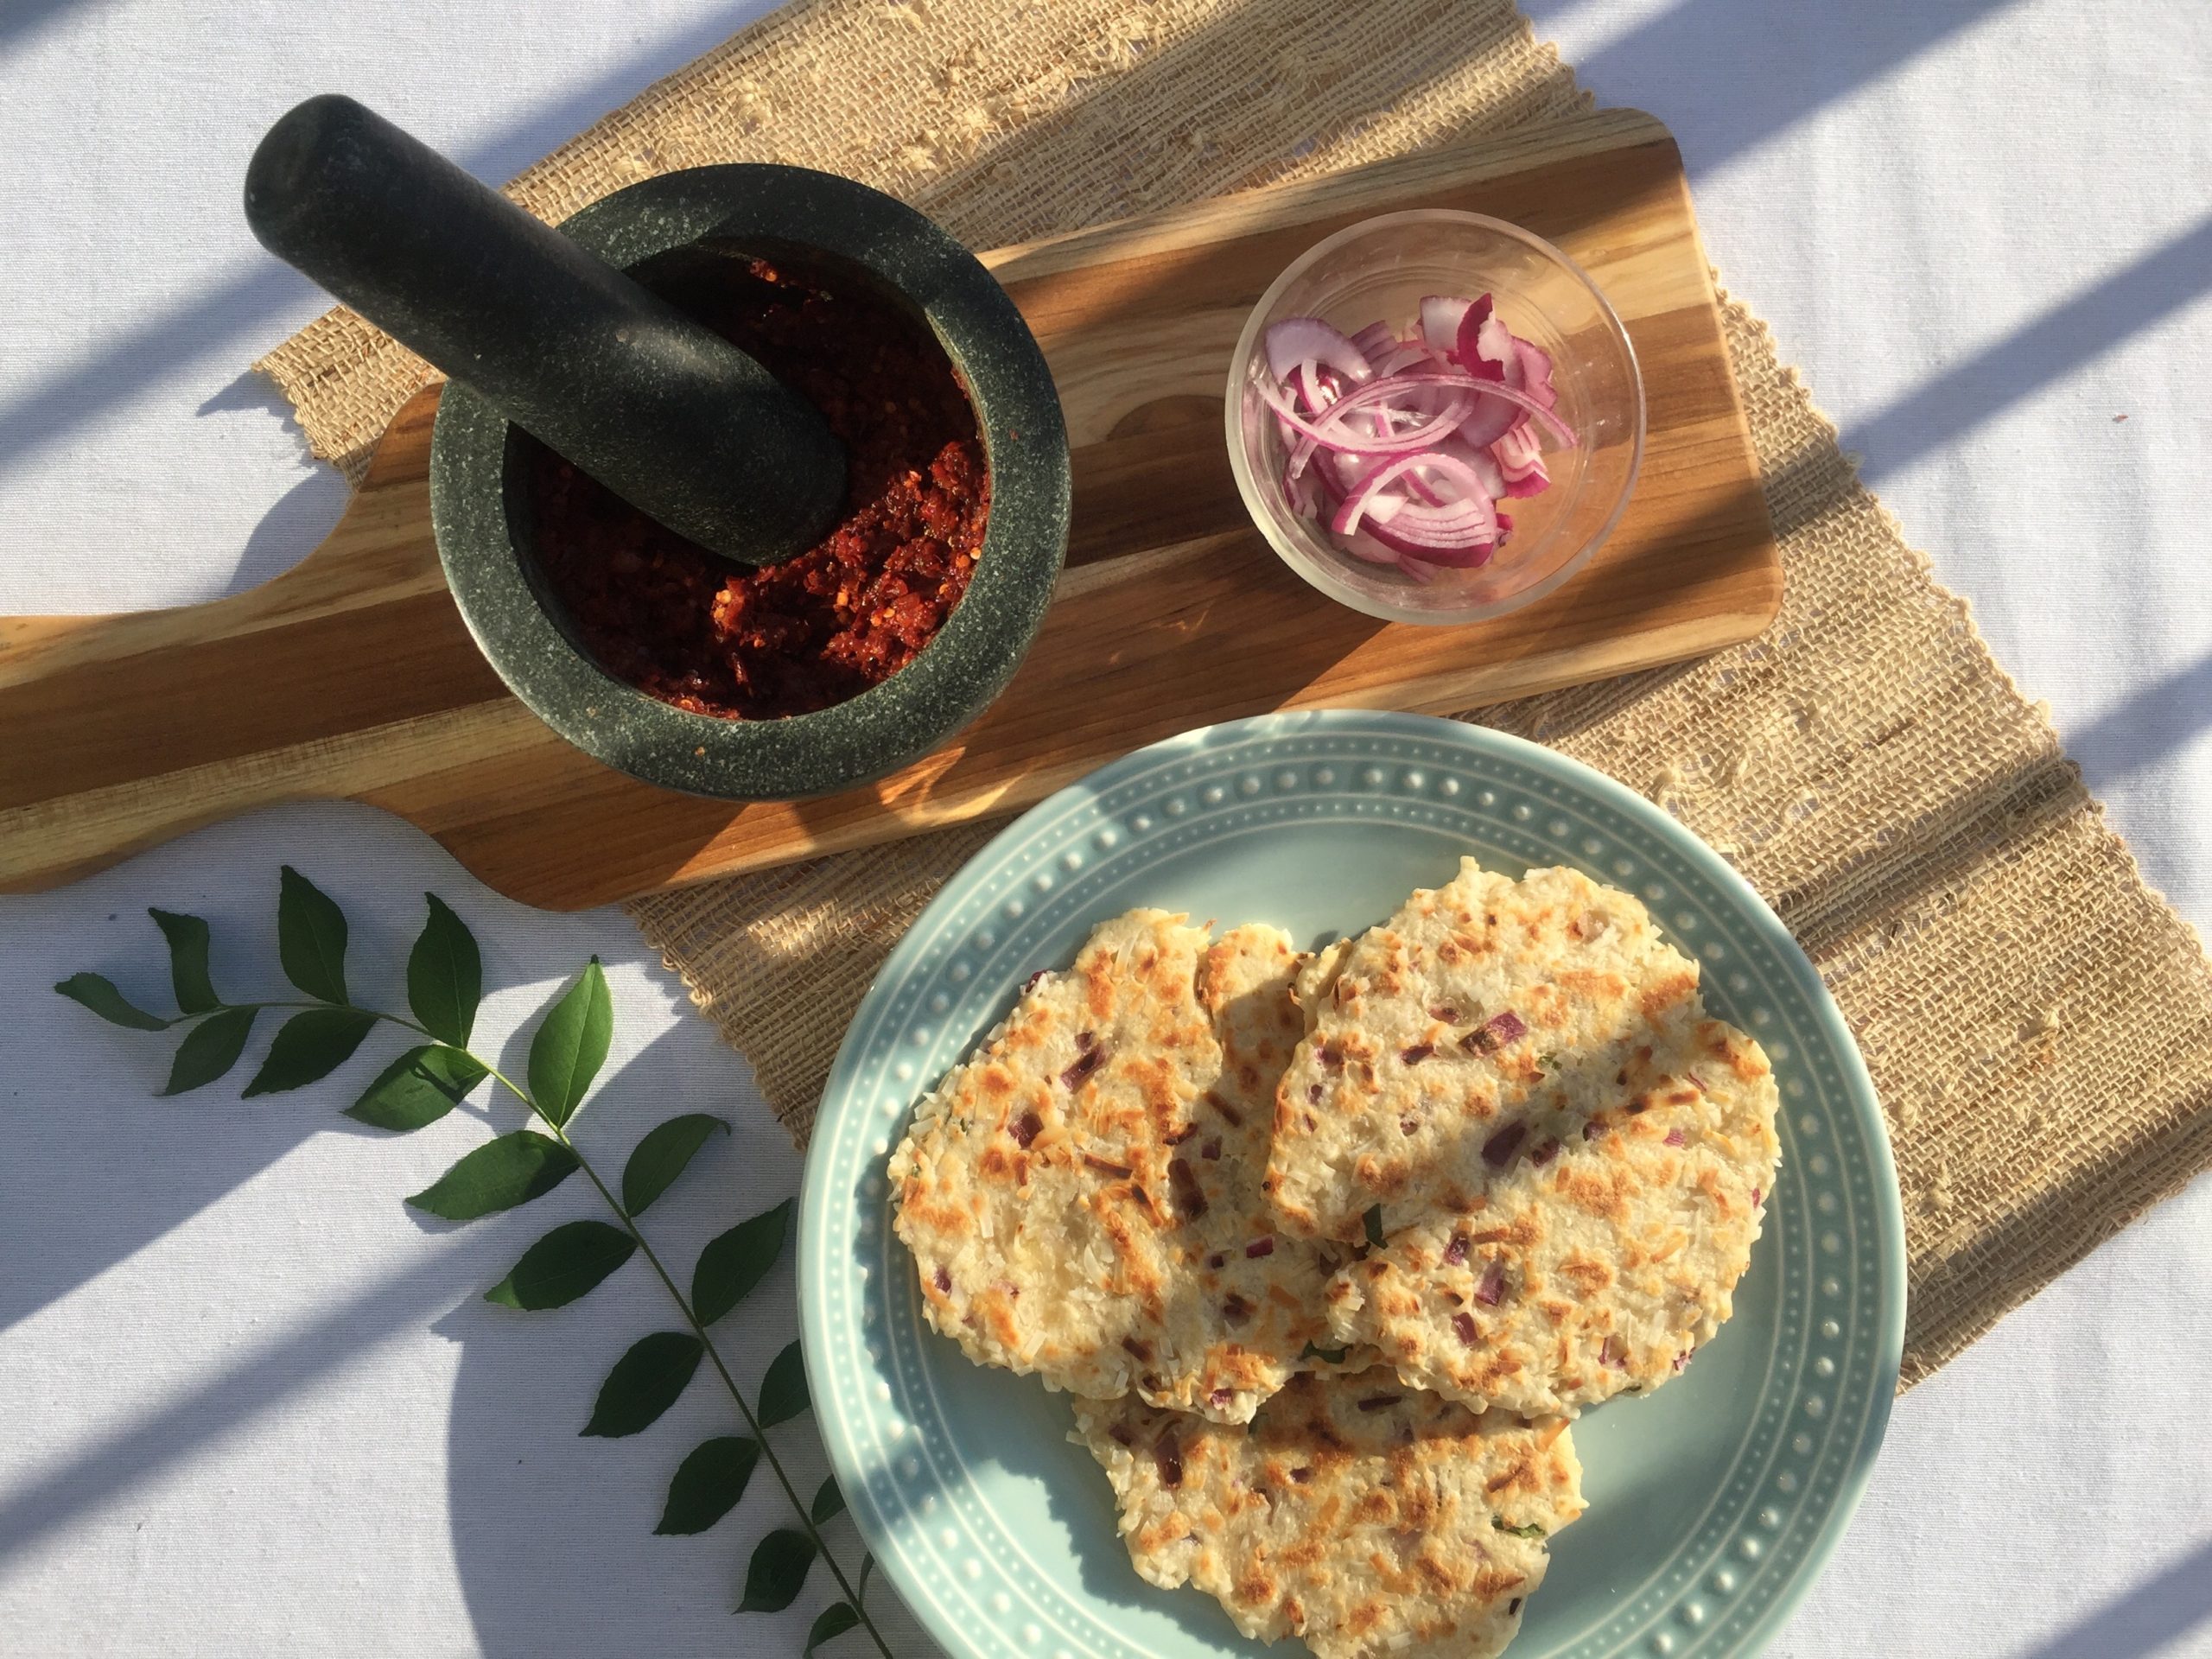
{"x":1361,"y":545}
{"x":1316,"y":388}
{"x":1373,"y":341}
{"x":1492,"y":391}
{"x":1535,"y":481}
{"x":1483,"y":347}
{"x":1308,"y":339}
{"x":1441,"y":317}
{"x":1428,"y":532}
{"x":1413,"y":541}
{"x":1333,"y":434}
{"x":1491,"y":1285}
{"x":1407,"y":446}
{"x":1517,"y":452}
{"x":1498,"y":1150}
{"x":1167,"y":1458}
{"x":1536,"y":373}
{"x":1410,"y":354}
{"x":1482,"y":460}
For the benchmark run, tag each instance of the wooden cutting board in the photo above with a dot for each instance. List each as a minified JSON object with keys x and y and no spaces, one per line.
{"x":351,"y":676}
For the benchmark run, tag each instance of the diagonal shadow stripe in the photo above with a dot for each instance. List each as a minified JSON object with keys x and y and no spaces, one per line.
{"x":66,"y":401}
{"x":2145,"y":1620}
{"x":20,"y":19}
{"x":1700,"y":46}
{"x":2147,"y":725}
{"x":227,"y":1403}
{"x":2045,"y":348}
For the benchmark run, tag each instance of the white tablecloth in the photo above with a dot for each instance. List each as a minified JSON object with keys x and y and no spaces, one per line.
{"x":255,"y":1405}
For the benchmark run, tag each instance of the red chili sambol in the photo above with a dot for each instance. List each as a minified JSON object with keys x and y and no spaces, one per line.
{"x":688,"y":628}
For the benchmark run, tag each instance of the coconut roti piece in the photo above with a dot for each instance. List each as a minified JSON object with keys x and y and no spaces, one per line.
{"x":1588,"y":1266}
{"x":1363,"y":1517}
{"x":1485,"y":1007}
{"x":1083,"y":1198}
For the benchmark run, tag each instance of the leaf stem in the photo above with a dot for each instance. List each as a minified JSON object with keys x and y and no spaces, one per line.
{"x":560,"y":1133}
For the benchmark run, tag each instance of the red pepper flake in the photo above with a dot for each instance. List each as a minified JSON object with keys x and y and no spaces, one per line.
{"x":1035,"y":980}
{"x":1378,"y":1402}
{"x":1332,"y":1057}
{"x":1464,"y":1324}
{"x":1675,"y":1138}
{"x":1235,"y":1310}
{"x":1301,"y":1475}
{"x":1026,"y":1128}
{"x":1543,"y":1153}
{"x":1590,"y":1129}
{"x":1122,"y":1434}
{"x":1221,"y":1396}
{"x":1217,"y":1261}
{"x":1498,"y":1150}
{"x":1210,"y":1149}
{"x":1085,"y":1064}
{"x":1180,"y":1135}
{"x":1313,"y":1093}
{"x":943,"y":1281}
{"x":1444,"y":1012}
{"x":1417,"y":1053}
{"x":1141,"y":1349}
{"x":1235,"y":1117}
{"x":1513,"y":1605}
{"x":682,"y":626}
{"x":1408,"y":1125}
{"x":1264,"y":1245}
{"x":1098,"y":1163}
{"x":1757,"y":1194}
{"x":1182,"y":1188}
{"x":1455,"y":1251}
{"x":1167,"y":1458}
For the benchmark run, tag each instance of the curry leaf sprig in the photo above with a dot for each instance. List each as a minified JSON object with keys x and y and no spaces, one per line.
{"x":445,"y":986}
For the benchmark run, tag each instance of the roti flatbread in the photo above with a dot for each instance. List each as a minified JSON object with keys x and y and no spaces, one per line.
{"x":1083,"y":1198}
{"x":1363,"y":1517}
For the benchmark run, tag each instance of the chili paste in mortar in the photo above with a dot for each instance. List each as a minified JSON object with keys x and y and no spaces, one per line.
{"x":691,"y":629}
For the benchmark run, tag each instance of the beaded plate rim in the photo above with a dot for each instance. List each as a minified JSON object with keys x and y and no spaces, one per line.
{"x":1836,"y":1221}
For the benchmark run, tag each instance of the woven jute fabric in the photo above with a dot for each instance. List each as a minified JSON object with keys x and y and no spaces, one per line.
{"x":2037,"y":1022}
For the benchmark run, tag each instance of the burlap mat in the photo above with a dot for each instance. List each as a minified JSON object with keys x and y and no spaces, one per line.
{"x":2038,"y":1023}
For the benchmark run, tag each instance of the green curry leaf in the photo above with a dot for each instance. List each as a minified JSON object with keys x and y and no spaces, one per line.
{"x":310,"y":938}
{"x":445,"y":975}
{"x":188,"y":976}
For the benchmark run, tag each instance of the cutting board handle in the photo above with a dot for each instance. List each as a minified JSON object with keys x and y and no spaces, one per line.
{"x":329,"y":680}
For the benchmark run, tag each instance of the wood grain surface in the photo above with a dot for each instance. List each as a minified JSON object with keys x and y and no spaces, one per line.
{"x":351,"y":676}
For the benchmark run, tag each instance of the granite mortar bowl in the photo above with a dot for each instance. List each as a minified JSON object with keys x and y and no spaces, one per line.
{"x":481,"y":507}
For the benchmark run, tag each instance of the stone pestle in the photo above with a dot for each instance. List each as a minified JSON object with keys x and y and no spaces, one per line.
{"x":672,"y":418}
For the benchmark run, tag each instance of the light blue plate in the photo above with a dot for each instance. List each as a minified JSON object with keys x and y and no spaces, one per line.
{"x":1712,"y":1502}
